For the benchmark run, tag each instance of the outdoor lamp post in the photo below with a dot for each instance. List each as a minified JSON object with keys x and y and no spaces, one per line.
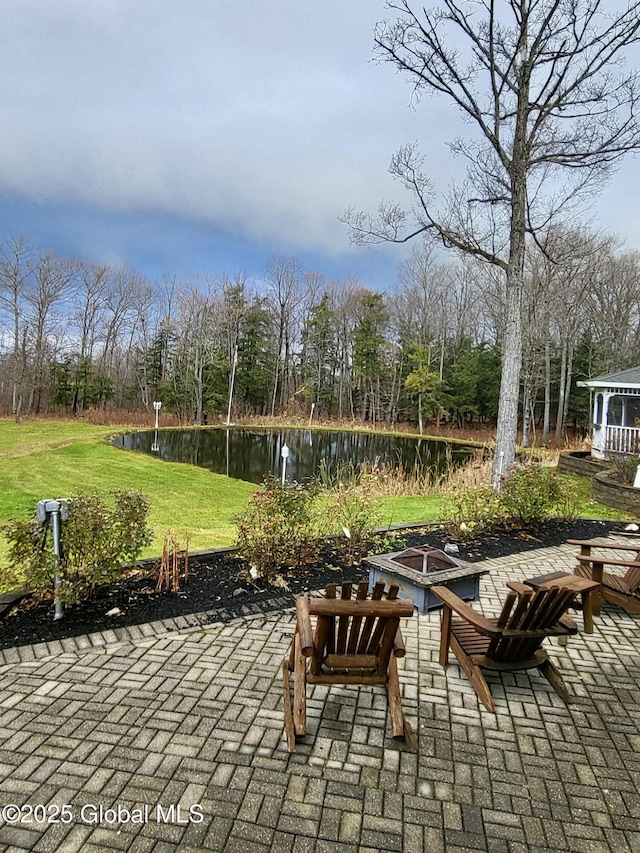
{"x":157,"y":406}
{"x":284,"y":452}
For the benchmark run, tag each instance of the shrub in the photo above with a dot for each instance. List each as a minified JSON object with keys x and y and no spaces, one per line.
{"x":279,"y":529}
{"x":476,"y":510}
{"x":98,"y":542}
{"x":529,"y":495}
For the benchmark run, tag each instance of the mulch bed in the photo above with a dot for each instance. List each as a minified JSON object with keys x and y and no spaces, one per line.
{"x":221,"y":587}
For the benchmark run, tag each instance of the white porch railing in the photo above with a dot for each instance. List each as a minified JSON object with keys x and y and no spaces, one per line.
{"x":623,"y":439}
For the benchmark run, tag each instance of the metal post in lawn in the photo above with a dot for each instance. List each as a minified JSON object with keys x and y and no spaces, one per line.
{"x":56,"y":510}
{"x":284,"y":452}
{"x":155,"y":447}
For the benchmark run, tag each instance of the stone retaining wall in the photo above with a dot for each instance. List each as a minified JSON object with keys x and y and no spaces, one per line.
{"x":605,"y":491}
{"x":610,"y":493}
{"x":580,"y":464}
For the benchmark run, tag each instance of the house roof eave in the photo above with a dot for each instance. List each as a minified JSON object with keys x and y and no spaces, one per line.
{"x":614,"y":386}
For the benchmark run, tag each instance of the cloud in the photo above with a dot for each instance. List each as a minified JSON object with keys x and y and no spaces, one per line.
{"x":264,"y":118}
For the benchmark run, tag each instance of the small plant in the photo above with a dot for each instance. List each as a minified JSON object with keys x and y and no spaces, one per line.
{"x":170,"y":571}
{"x":625,"y":467}
{"x":99,"y":541}
{"x":279,"y":529}
{"x":355,"y":512}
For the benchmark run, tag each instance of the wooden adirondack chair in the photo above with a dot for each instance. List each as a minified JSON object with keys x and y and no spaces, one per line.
{"x":623,"y":590}
{"x":356,"y":641}
{"x":512,"y":641}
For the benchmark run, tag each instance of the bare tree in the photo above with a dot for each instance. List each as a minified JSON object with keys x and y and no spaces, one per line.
{"x":89,"y":306}
{"x":614,"y":303}
{"x":284,"y":296}
{"x":54,"y":280}
{"x":17,"y":262}
{"x":542,"y":83}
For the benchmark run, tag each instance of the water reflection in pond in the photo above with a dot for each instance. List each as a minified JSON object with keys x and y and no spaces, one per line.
{"x":249,"y":454}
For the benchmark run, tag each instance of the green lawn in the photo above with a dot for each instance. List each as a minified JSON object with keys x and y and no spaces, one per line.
{"x":50,"y":459}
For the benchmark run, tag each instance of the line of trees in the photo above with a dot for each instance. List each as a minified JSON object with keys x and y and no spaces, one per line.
{"x":551,"y":109}
{"x":76,"y":336}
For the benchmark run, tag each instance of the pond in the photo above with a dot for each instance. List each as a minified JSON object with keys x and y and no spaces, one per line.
{"x":249,"y":454}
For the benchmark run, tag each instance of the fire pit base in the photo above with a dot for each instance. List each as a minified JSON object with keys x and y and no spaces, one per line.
{"x":416,"y":570}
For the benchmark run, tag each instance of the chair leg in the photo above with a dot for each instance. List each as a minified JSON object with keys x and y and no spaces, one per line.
{"x":551,"y":673}
{"x":445,"y":635}
{"x":399,"y":726}
{"x":410,"y":737}
{"x":475,"y":676}
{"x":299,"y":690}
{"x":587,"y":610}
{"x":288,"y":713}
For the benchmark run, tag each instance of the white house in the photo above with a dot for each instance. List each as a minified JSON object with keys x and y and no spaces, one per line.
{"x":616,"y":413}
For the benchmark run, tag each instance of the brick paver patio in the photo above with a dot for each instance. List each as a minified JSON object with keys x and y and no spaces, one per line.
{"x":193,"y":718}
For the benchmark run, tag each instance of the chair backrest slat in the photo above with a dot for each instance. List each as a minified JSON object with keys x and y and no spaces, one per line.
{"x":330,"y":592}
{"x":343,"y":623}
{"x":506,"y":619}
{"x":356,"y":622}
{"x":367,"y":628}
{"x":507,"y":607}
{"x":376,"y":637}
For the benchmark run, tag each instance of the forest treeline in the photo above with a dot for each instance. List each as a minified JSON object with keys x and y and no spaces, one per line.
{"x":78,"y":335}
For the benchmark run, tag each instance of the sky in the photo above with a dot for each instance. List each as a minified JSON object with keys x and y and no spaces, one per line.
{"x":185,"y":136}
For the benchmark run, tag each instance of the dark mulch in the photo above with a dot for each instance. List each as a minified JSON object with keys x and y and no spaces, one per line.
{"x":221,"y":587}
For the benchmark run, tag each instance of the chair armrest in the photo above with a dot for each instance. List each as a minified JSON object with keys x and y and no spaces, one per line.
{"x":479,"y":622}
{"x":303,"y":626}
{"x":612,"y":546}
{"x":606,"y":561}
{"x":519,"y":588}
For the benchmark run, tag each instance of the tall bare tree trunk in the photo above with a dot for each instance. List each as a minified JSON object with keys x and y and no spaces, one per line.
{"x":507,"y":427}
{"x":547,"y":394}
{"x":561,"y":394}
{"x":526,"y":411}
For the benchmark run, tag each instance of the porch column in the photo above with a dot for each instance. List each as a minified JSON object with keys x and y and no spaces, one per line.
{"x":599,"y":440}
